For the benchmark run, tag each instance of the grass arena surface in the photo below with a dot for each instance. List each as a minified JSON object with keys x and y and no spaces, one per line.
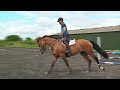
{"x":20,"y":63}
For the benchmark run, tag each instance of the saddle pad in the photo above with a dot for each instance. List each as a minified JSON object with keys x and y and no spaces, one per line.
{"x":72,"y":42}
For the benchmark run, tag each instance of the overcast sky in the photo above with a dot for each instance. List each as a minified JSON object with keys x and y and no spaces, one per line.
{"x":38,"y":23}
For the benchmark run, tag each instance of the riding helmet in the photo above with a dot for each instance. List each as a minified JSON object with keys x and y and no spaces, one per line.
{"x":60,"y":19}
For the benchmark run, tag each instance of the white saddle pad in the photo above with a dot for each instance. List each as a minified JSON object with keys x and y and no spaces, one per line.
{"x":72,"y":42}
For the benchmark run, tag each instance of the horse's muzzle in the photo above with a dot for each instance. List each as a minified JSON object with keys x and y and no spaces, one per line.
{"x":42,"y":51}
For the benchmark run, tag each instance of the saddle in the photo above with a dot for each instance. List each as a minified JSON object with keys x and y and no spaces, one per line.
{"x":71,"y":42}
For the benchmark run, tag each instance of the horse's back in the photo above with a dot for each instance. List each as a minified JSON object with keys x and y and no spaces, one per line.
{"x":83,"y":42}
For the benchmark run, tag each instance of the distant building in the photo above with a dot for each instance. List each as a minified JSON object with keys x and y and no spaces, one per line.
{"x":110,"y":36}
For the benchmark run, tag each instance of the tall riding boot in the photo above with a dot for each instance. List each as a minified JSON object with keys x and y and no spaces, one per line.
{"x":68,"y":50}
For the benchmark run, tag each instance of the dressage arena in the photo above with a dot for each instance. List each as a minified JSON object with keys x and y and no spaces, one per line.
{"x":18,"y":63}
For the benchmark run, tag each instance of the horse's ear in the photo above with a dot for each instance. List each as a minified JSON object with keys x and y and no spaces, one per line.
{"x":37,"y":39}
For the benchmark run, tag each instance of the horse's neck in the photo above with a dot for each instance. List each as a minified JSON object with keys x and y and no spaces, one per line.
{"x":49,"y":41}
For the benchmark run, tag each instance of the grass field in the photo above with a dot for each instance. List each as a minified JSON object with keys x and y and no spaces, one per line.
{"x":19,"y":44}
{"x":27,"y":44}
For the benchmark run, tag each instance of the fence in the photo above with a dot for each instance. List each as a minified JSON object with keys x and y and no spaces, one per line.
{"x":109,"y":53}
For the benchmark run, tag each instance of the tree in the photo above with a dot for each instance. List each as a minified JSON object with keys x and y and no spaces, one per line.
{"x":13,"y":38}
{"x":28,"y":39}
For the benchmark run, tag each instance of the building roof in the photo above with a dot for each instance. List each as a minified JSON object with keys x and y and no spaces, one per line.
{"x":94,"y":30}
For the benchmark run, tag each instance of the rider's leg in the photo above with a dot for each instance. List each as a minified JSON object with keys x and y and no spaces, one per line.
{"x":66,"y":42}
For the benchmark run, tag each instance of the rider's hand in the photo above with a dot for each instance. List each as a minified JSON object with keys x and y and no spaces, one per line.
{"x":61,"y":36}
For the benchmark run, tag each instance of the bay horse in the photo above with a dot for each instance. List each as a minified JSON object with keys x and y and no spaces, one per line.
{"x":82,"y":46}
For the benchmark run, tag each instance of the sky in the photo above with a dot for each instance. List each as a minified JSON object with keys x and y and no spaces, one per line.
{"x":39,"y":23}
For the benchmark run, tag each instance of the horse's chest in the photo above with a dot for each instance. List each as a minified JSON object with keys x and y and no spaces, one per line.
{"x":55,"y":52}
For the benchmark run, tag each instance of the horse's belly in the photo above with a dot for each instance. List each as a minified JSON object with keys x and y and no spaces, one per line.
{"x":75,"y":50}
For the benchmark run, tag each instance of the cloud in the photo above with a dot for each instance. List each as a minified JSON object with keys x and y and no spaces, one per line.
{"x":39,"y":23}
{"x":27,"y":14}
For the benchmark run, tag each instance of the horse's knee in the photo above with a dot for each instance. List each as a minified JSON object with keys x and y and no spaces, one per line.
{"x":62,"y":55}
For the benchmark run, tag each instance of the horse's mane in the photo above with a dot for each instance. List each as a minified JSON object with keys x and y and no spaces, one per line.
{"x":38,"y":38}
{"x":44,"y":37}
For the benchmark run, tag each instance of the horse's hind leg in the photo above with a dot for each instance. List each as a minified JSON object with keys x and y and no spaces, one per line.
{"x":66,"y":62}
{"x":53,"y":64}
{"x":85,"y":56}
{"x":96,"y":59}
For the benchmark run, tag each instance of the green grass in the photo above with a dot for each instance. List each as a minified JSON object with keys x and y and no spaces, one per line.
{"x":19,"y":44}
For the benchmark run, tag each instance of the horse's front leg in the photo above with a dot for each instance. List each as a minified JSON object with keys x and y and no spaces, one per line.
{"x":67,"y":64}
{"x":53,"y":64}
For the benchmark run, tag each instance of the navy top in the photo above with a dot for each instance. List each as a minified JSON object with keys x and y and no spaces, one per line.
{"x":64,"y":25}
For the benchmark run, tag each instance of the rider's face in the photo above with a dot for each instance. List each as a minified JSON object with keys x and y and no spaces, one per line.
{"x":60,"y":22}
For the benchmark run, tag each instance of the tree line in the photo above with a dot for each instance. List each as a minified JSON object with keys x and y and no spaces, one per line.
{"x":16,"y":38}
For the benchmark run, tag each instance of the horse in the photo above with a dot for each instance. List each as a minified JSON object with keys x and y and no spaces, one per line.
{"x":83,"y":47}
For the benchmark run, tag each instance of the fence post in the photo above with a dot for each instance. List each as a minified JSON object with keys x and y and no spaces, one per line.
{"x":99,"y":43}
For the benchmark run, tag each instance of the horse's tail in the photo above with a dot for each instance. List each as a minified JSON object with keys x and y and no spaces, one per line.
{"x":97,"y":48}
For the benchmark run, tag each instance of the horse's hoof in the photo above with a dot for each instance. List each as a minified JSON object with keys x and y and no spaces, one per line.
{"x":89,"y":71}
{"x":102,"y":68}
{"x":46,"y":73}
{"x":70,"y":72}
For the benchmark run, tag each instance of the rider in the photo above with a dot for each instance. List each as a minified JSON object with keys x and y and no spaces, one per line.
{"x":65,"y":35}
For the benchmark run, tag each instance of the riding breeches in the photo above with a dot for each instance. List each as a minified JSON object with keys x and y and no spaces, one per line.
{"x":66,"y":39}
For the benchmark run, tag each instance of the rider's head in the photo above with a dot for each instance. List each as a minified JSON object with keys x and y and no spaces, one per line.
{"x":60,"y":20}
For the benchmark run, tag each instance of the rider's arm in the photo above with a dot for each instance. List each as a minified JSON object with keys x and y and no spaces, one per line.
{"x":64,"y":29}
